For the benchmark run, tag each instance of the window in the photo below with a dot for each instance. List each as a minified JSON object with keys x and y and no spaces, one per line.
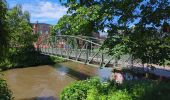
{"x":46,"y":32}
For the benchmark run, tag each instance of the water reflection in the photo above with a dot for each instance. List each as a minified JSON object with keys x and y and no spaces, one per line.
{"x":104,"y":73}
{"x":72,"y":72}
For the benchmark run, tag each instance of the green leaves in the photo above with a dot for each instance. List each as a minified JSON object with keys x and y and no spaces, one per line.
{"x":4,"y":33}
{"x":19,"y":38}
{"x":81,"y":22}
{"x":93,"y":89}
{"x":5,"y":93}
{"x":84,"y":90}
{"x":139,"y":25}
{"x":20,"y":28}
{"x":145,"y":40}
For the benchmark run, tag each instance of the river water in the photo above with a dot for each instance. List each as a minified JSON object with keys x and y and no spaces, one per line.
{"x":47,"y":81}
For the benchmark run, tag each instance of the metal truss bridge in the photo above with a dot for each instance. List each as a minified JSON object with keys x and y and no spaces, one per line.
{"x":82,"y":49}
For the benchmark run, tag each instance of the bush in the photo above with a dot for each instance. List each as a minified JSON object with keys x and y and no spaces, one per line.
{"x":119,"y":95}
{"x":78,"y":90}
{"x":26,"y":56}
{"x":5,"y":93}
{"x":93,"y":89}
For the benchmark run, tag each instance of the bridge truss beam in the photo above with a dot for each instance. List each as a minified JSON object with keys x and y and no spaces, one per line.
{"x":76,"y":48}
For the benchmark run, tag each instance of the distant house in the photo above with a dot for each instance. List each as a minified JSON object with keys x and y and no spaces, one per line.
{"x":41,"y":28}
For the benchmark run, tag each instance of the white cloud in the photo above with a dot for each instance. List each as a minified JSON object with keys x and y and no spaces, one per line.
{"x":45,"y":11}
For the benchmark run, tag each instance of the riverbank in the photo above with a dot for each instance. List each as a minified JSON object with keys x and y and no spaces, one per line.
{"x":32,"y":60}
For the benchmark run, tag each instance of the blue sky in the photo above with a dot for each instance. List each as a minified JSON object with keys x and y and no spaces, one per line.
{"x":43,"y":11}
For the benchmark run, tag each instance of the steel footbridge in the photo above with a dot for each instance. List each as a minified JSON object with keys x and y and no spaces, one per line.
{"x":82,"y":49}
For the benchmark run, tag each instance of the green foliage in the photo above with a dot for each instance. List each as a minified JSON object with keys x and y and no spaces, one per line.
{"x":91,"y":94}
{"x":57,"y":59}
{"x":21,"y":52}
{"x":93,"y":89}
{"x":135,"y":28}
{"x":76,"y":91}
{"x":20,"y":28}
{"x":81,"y":23}
{"x":119,"y":95}
{"x":4,"y":33}
{"x":144,"y":40}
{"x":80,"y":89}
{"x":25,"y":57}
{"x":5,"y":93}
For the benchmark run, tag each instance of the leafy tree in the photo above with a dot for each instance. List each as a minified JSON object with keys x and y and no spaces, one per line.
{"x":20,"y":27}
{"x":63,"y":25}
{"x":82,"y":22}
{"x":133,"y":27}
{"x":145,"y":41}
{"x":21,"y":38}
{"x":5,"y":93}
{"x":4,"y":34}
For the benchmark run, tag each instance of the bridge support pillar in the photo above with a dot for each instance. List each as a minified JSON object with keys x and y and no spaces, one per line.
{"x":87,"y":53}
{"x":116,"y":62}
{"x":102,"y":61}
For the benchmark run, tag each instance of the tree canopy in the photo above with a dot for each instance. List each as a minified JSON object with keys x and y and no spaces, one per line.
{"x":4,"y":33}
{"x":134,"y":28}
{"x":20,"y":27}
{"x":84,"y":21}
{"x":20,"y":38}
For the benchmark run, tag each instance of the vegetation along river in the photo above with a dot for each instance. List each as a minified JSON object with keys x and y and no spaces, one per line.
{"x":47,"y":81}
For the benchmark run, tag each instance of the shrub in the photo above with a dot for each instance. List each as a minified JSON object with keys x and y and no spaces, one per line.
{"x":5,"y":93}
{"x":93,"y":89}
{"x":78,"y":90}
{"x":27,"y":56}
{"x":119,"y":95}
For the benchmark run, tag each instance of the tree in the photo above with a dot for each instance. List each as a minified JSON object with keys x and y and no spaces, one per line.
{"x":144,"y":41}
{"x":63,"y":26}
{"x":4,"y":33}
{"x":5,"y":93}
{"x":20,"y":27}
{"x":83,"y":22}
{"x":21,"y":38}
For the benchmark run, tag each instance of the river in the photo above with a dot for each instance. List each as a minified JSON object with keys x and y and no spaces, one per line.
{"x":46,"y":82}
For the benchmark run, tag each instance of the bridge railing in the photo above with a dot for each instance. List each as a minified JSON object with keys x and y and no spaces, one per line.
{"x":82,"y":49}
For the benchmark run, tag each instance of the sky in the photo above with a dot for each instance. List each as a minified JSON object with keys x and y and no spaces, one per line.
{"x":43,"y":11}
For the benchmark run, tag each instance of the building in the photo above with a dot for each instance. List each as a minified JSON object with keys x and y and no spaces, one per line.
{"x":41,"y":28}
